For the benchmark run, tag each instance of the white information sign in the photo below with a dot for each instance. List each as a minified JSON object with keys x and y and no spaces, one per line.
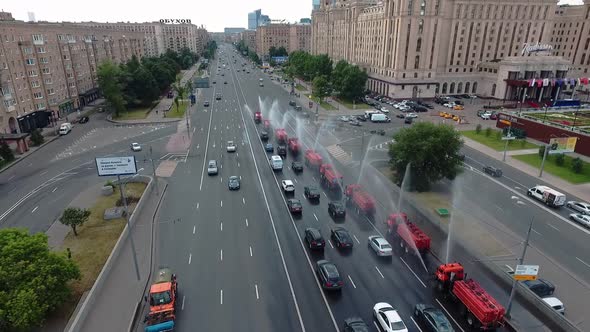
{"x":111,"y":166}
{"x":526,"y":272}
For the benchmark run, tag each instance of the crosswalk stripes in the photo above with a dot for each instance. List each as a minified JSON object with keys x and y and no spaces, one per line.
{"x":342,"y":156}
{"x":381,"y":146}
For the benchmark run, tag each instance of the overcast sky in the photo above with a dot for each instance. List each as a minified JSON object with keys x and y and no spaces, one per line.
{"x":214,"y":14}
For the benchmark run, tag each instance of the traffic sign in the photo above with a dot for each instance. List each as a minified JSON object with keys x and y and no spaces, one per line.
{"x":112,"y":166}
{"x":526,"y":272}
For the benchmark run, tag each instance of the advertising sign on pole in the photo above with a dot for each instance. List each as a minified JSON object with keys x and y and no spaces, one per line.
{"x":113,"y":166}
{"x":562,"y":145}
{"x":526,"y":272}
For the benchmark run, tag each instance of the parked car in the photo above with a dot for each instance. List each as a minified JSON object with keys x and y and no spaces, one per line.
{"x":400,"y":115}
{"x":355,"y":324}
{"x":581,"y":219}
{"x":83,"y":119}
{"x":336,"y":209}
{"x":355,"y":122}
{"x":212,"y":167}
{"x":206,"y":103}
{"x":294,"y":205}
{"x":341,"y":237}
{"x":380,"y":246}
{"x":541,"y":287}
{"x":555,"y":303}
{"x":388,"y":318}
{"x":328,"y":274}
{"x":233,"y":183}
{"x":408,"y":120}
{"x":288,"y":186}
{"x":269,"y":148}
{"x":493,"y":171}
{"x":231,"y":146}
{"x":583,"y":208}
{"x":264,"y":136}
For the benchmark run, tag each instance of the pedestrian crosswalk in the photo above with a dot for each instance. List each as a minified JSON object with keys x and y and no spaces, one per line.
{"x":339,"y":154}
{"x":381,"y":146}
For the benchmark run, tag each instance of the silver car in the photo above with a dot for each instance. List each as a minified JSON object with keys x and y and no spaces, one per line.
{"x":583,"y":208}
{"x":212,"y":167}
{"x":581,"y":219}
{"x":380,"y":246}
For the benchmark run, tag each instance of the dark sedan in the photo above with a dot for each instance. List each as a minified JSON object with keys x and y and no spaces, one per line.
{"x":233,"y":183}
{"x":336,"y":210}
{"x":355,"y":324}
{"x":83,"y":119}
{"x":264,"y":135}
{"x":311,"y":193}
{"x":314,"y":238}
{"x":269,"y":148}
{"x":341,"y":238}
{"x":297,"y":166}
{"x":432,"y":319}
{"x":329,"y":275}
{"x":541,"y":287}
{"x":294,"y":205}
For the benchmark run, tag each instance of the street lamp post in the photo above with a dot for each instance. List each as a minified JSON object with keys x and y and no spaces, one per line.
{"x":520,"y":261}
{"x":124,"y":199}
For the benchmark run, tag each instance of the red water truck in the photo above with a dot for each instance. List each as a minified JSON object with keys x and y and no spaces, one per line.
{"x":361,"y":200}
{"x":330,"y":177}
{"x":313,"y":159}
{"x":294,"y":145}
{"x":479,"y":308}
{"x":407,"y":234}
{"x":266,"y":125}
{"x":257,"y":117}
{"x":281,"y":135}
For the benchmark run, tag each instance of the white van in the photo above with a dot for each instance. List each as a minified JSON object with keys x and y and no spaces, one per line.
{"x":369,"y":113}
{"x":547,"y":195}
{"x":65,"y":128}
{"x":379,"y":117}
{"x":276,"y":162}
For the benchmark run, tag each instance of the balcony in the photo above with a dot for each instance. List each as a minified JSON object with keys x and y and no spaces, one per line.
{"x":38,"y":42}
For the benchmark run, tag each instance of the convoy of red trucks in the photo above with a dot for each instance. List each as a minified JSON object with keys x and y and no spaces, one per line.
{"x":330,"y":177}
{"x":294,"y":145}
{"x":313,"y":159}
{"x":408,"y":235}
{"x":479,"y":308}
{"x":361,"y":200}
{"x":281,"y":135}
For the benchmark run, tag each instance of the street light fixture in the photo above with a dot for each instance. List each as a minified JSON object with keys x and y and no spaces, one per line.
{"x":124,"y":199}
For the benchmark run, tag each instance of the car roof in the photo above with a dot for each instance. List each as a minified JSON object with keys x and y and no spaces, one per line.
{"x":314,"y":231}
{"x":294,"y":200}
{"x":380,"y":240}
{"x":288,"y":182}
{"x":553,"y":301}
{"x":336,"y":203}
{"x":233,"y":177}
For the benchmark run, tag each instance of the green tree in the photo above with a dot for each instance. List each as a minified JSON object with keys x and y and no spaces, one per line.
{"x":109,"y":76}
{"x":144,"y":86}
{"x":33,"y":279}
{"x":5,"y":151}
{"x":478,"y":129}
{"x":321,"y":87}
{"x":541,"y":151}
{"x":36,"y":137}
{"x":180,"y":93}
{"x":272,"y":51}
{"x":577,"y":165}
{"x":432,"y":152}
{"x":297,"y":61}
{"x":560,"y":159}
{"x":320,"y":65}
{"x":74,"y":217}
{"x":254,"y":57}
{"x":282,"y":51}
{"x":488,"y":131}
{"x":349,"y":81}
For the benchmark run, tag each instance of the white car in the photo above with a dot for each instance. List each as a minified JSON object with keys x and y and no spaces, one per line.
{"x":485,"y":116}
{"x":397,"y":105}
{"x":404,"y":108}
{"x":344,"y":118}
{"x":135,"y":147}
{"x":581,"y":219}
{"x":231,"y":147}
{"x":583,"y":208}
{"x":555,"y":303}
{"x":411,"y":115}
{"x":388,"y":319}
{"x":380,"y":246}
{"x":449,"y":105}
{"x":288,"y":186}
{"x":384,"y":110}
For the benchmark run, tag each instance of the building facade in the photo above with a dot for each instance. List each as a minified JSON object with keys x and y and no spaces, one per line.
{"x":293,"y":37}
{"x":249,"y":38}
{"x":253,"y":19}
{"x":416,"y":48}
{"x":49,"y":70}
{"x":299,"y":37}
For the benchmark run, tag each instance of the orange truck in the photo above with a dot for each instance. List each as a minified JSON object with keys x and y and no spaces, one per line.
{"x":330,"y":177}
{"x":163,"y":300}
{"x":407,"y":234}
{"x":281,"y":135}
{"x":313,"y":159}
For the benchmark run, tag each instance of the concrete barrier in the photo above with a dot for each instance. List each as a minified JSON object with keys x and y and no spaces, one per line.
{"x":554,"y":320}
{"x":75,"y":324}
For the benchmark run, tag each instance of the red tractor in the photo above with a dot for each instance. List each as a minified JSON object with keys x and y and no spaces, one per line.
{"x":313,"y":159}
{"x":330,"y":177}
{"x":257,"y":117}
{"x":479,"y":308}
{"x":281,"y":135}
{"x":361,"y":200}
{"x":294,"y":145}
{"x":407,"y":234}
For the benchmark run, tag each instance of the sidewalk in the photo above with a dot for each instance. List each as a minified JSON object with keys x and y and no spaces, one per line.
{"x":582,"y":191}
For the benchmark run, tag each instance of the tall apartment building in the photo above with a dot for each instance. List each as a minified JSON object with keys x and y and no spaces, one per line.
{"x":249,"y":38}
{"x":253,"y":19}
{"x":48,"y":70}
{"x":292,"y":37}
{"x":420,"y":48}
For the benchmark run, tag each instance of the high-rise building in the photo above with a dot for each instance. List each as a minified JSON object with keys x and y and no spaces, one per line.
{"x":293,"y":37}
{"x":514,"y":49}
{"x":253,"y":19}
{"x":315,"y":4}
{"x":249,"y":38}
{"x":264,"y":20}
{"x":305,"y":20}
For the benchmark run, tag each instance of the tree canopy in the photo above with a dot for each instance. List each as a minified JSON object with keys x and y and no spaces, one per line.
{"x":281,"y":51}
{"x":321,"y":87}
{"x":74,"y":217}
{"x":432,"y":152}
{"x":209,"y":52}
{"x":33,"y":279}
{"x":349,"y":81}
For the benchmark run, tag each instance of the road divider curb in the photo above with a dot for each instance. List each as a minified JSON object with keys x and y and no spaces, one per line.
{"x":77,"y":321}
{"x":18,"y":160}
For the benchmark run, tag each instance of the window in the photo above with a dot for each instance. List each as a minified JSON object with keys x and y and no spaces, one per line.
{"x":48,"y":80}
{"x":38,"y":38}
{"x":493,"y":90}
{"x":35,"y":84}
{"x":32,"y":73}
{"x":467,"y":87}
{"x":444,"y":88}
{"x":28,"y":50}
{"x":460,"y":87}
{"x":41,"y":50}
{"x":417,"y":62}
{"x":410,"y":6}
{"x":46,"y":71}
{"x":418,"y":44}
{"x":423,"y":8}
{"x":50,"y":91}
{"x":30,"y":62}
{"x":40,"y":106}
{"x":38,"y":95}
{"x":72,"y":85}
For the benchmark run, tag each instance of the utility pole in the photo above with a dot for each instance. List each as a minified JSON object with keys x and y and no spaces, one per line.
{"x":154,"y":171}
{"x":547,"y":147}
{"x":520,"y":261}
{"x":124,"y":199}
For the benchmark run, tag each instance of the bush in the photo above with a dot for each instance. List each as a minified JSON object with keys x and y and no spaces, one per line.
{"x":577,"y":165}
{"x":6,"y":152}
{"x":541,"y":151}
{"x":110,"y":184}
{"x":560,"y":159}
{"x":36,"y":137}
{"x":478,"y":129}
{"x":130,"y":200}
{"x":488,"y":131}
{"x":498,"y":135}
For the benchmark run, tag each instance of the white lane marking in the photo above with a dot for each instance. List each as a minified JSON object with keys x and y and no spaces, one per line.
{"x":535,"y":231}
{"x":295,"y":180}
{"x":357,"y":240}
{"x":238,"y":164}
{"x":194,"y":229}
{"x":221,"y":296}
{"x":182,"y":308}
{"x":221,"y":166}
{"x":42,"y":173}
{"x":243,"y":200}
{"x":221,"y":255}
{"x":197,"y":205}
{"x":221,"y":203}
{"x":316,"y":217}
{"x":415,"y":275}
{"x":54,"y":189}
{"x":190,"y":258}
{"x":206,"y":147}
{"x":221,"y":179}
{"x":376,"y":326}
{"x":352,"y":282}
{"x":10,"y":178}
{"x":314,"y":180}
{"x":246,"y":222}
{"x":256,"y":287}
{"x":194,"y":130}
{"x":35,"y":209}
{"x":324,"y":193}
{"x":381,"y":274}
{"x":557,"y":229}
{"x":221,"y":225}
{"x":449,"y":314}
{"x":330,"y":242}
{"x":30,"y":164}
{"x":412,"y":318}
{"x":250,"y":251}
{"x":588,"y":265}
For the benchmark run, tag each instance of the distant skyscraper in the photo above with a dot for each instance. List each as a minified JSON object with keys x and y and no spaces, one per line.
{"x":305,"y":20}
{"x":253,"y":19}
{"x":316,"y":4}
{"x":264,"y":20}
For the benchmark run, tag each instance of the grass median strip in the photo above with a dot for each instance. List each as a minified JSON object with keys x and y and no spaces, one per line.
{"x":94,"y":243}
{"x":177,"y":112}
{"x":565,"y":171}
{"x":133,"y":114}
{"x":493,"y":141}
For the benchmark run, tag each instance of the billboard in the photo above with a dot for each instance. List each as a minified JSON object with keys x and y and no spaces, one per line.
{"x":280,"y":59}
{"x":112,"y":166}
{"x":562,"y":145}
